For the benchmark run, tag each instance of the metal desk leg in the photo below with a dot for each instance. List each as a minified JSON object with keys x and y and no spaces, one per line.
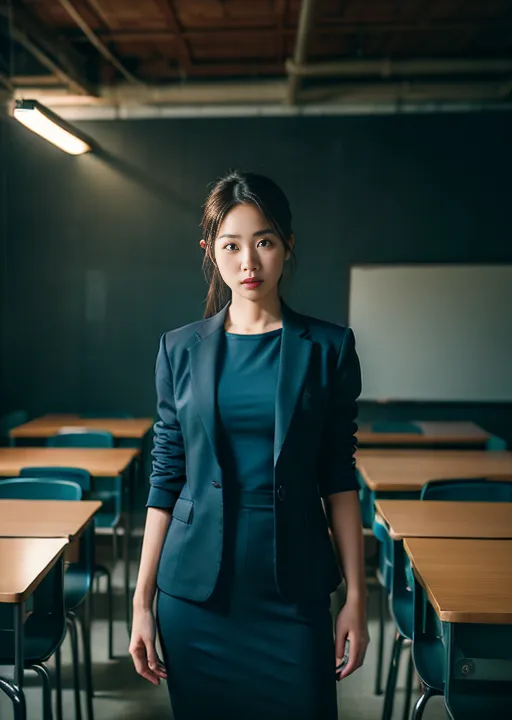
{"x":132,"y":474}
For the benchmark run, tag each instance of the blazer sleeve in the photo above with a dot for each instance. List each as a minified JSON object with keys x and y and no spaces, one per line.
{"x":168,"y":453}
{"x":339,"y":442}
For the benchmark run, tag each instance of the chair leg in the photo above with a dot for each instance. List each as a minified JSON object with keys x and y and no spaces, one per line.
{"x":419,"y":708}
{"x":85,"y":626}
{"x":43,"y":673}
{"x":408,"y":688}
{"x":394,"y":665}
{"x":101,"y":569}
{"x":380,"y":647}
{"x":115,"y":545}
{"x":17,"y":697}
{"x":76,"y":668}
{"x":58,"y":684}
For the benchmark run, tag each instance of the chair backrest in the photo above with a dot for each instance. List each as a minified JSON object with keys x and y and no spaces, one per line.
{"x":78,"y":475}
{"x":82,"y":437}
{"x":470,"y":489}
{"x":12,"y":420}
{"x":396,"y":426}
{"x":103,"y":415}
{"x":38,"y":489}
{"x":496,"y":444}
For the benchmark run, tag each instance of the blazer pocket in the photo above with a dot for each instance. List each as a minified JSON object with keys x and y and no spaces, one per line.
{"x":183,"y":510}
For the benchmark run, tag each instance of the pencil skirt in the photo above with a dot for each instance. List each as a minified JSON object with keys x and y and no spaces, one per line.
{"x":246,"y":653}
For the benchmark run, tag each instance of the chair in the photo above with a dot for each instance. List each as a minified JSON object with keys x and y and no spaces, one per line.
{"x":401,"y":603}
{"x":470,"y":489}
{"x":106,"y":415}
{"x":43,"y":632}
{"x":37,"y":489}
{"x":10,"y":421}
{"x":77,"y":578}
{"x":396,"y":426}
{"x":428,"y":631}
{"x":111,"y":497}
{"x":81,"y":437}
{"x":83,"y":478}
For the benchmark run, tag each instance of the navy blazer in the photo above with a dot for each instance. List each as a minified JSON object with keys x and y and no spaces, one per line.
{"x":319,"y":381}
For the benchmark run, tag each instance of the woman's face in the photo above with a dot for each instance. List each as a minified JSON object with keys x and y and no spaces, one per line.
{"x":246,"y":246}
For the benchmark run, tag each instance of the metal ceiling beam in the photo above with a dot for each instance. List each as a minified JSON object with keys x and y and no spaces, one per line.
{"x":306,"y":15}
{"x":169,"y":12}
{"x":50,"y":50}
{"x":244,"y":33}
{"x":98,"y":44}
{"x":388,"y":68}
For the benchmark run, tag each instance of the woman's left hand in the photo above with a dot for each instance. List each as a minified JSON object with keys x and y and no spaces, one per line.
{"x":351,"y":625}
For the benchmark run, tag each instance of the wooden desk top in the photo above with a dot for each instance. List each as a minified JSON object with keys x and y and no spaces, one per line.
{"x":446,"y":519}
{"x":99,"y":462}
{"x":49,"y":425}
{"x":24,"y":562}
{"x":395,"y":470}
{"x":45,"y":518}
{"x":467,"y":581}
{"x":433,"y":433}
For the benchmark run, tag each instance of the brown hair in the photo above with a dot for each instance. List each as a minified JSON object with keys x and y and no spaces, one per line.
{"x":238,"y":188}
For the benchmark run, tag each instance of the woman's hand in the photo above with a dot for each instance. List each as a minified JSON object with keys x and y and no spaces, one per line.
{"x":351,"y":625}
{"x":142,"y":647}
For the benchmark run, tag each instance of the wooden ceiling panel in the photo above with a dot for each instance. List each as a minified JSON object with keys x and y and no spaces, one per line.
{"x":264,"y":47}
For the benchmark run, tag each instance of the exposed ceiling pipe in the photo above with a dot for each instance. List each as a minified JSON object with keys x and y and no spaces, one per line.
{"x":389,"y":68}
{"x":98,"y":44}
{"x":307,"y":10}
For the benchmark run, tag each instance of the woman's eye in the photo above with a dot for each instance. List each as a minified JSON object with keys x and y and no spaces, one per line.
{"x":229,"y":245}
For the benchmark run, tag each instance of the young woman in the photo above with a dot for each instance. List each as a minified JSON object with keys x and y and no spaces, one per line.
{"x":253,"y":449}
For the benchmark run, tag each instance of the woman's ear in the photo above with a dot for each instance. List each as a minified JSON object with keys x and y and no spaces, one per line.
{"x":202,"y":243}
{"x":291,"y":242}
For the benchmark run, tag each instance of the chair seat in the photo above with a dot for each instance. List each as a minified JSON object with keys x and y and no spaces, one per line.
{"x":38,"y":646}
{"x":76,"y":586}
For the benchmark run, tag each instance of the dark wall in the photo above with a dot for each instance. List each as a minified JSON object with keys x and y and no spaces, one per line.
{"x":100,"y":253}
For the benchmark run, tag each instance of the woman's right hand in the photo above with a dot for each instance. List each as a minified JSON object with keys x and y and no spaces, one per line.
{"x":142,"y":647}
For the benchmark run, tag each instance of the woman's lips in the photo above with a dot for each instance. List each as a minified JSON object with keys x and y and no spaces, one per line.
{"x":252,"y":285}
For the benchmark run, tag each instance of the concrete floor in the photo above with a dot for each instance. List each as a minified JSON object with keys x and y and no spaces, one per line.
{"x":121,"y":693}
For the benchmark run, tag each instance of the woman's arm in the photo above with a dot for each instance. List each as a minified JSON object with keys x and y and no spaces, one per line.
{"x":157,"y":522}
{"x":167,"y":480}
{"x":142,"y":639}
{"x":338,"y":487}
{"x":351,"y":623}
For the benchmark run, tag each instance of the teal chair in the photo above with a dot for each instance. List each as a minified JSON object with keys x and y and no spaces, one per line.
{"x":384,"y":580}
{"x":45,"y":627}
{"x":83,"y":478}
{"x":396,"y":426}
{"x":430,"y":635}
{"x":401,"y":605}
{"x":106,"y":415}
{"x":77,"y":579}
{"x":496,"y":444}
{"x":10,"y":421}
{"x":81,"y":437}
{"x":109,"y":492}
{"x":468,"y":490}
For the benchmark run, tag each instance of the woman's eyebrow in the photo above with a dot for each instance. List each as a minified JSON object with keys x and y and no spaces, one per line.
{"x":256,"y":234}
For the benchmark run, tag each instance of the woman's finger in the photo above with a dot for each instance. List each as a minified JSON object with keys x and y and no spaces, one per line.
{"x":356,"y":657}
{"x":141,"y":665}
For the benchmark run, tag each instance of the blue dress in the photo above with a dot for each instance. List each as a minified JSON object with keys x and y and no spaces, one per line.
{"x":247,"y":653}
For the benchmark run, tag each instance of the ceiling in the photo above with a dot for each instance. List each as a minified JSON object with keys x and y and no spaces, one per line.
{"x":294,"y":52}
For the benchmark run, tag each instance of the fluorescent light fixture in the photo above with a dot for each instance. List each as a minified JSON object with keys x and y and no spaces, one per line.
{"x":43,"y":122}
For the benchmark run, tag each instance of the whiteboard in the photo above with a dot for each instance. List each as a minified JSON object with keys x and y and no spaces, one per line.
{"x":433,"y":332}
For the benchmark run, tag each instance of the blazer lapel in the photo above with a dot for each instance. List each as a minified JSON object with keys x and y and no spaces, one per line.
{"x":294,"y":362}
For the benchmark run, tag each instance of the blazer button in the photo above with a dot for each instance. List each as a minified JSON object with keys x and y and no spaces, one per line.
{"x":216,"y":484}
{"x":281,"y":493}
